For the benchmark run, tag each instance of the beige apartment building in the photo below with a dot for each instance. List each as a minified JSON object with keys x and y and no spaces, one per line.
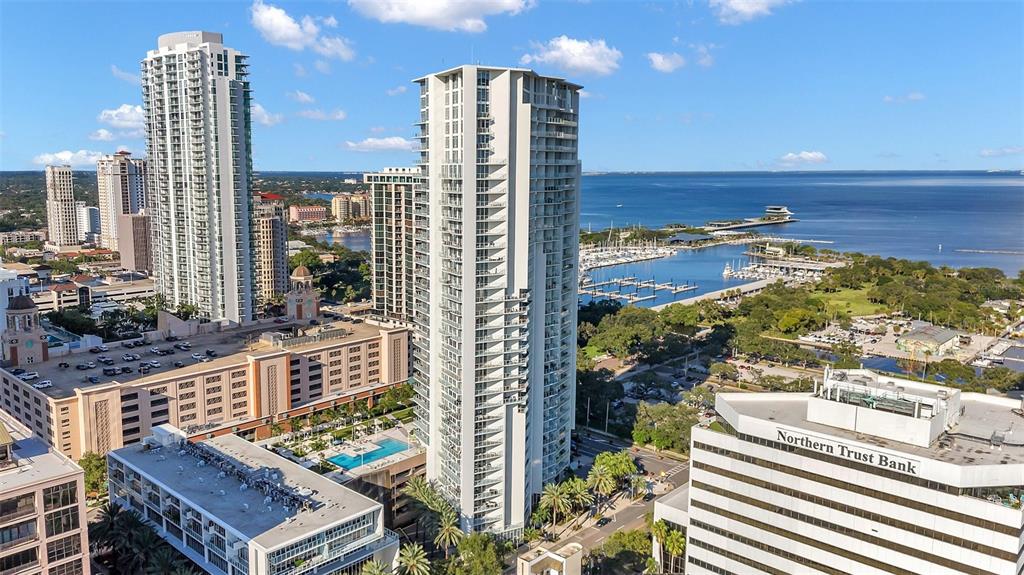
{"x":248,"y":380}
{"x":298,"y":214}
{"x":134,"y":243}
{"x":392,"y":191}
{"x":121,"y":183}
{"x":61,"y":211}
{"x":270,"y":246}
{"x":345,"y":207}
{"x":42,"y":506}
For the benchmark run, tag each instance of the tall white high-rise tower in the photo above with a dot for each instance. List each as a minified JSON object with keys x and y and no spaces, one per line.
{"x":495,"y":254}
{"x":196,"y":96}
{"x":121,"y":182}
{"x":61,"y":210}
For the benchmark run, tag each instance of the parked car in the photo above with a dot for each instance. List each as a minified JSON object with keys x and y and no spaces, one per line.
{"x":111,"y":371}
{"x":128,"y":357}
{"x":171,"y":338}
{"x":63,"y":365}
{"x":211,"y":353}
{"x":95,"y":350}
{"x":603,"y":521}
{"x":17,"y":371}
{"x":155,"y":350}
{"x":29,"y":376}
{"x":154,"y":363}
{"x":204,"y":359}
{"x":126,"y":369}
{"x":92,"y":379}
{"x":103,"y":348}
{"x":197,"y":356}
{"x":43,"y":384}
{"x":81,"y":367}
{"x":179,"y":364}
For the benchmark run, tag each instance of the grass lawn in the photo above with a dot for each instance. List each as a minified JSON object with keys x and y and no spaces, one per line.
{"x":853,"y":301}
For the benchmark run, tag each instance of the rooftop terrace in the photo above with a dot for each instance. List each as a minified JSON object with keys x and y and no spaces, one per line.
{"x":34,"y":462}
{"x":260,"y":494}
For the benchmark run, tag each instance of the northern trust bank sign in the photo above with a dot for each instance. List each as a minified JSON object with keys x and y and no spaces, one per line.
{"x":846,"y":451}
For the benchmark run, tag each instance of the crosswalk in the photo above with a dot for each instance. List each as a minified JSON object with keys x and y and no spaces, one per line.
{"x":676,"y":469}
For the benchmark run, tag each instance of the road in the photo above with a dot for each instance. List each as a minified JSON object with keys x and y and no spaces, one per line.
{"x":631,"y":516}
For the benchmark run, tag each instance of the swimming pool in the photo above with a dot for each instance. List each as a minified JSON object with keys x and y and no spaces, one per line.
{"x":386,"y":447}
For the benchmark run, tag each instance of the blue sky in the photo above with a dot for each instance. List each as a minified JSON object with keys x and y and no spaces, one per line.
{"x":693,"y":85}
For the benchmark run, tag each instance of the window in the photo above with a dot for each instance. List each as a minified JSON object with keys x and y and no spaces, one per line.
{"x":63,"y":548}
{"x":16,"y":533}
{"x":61,"y":521}
{"x":60,"y":496}
{"x":19,"y":560}
{"x":17,"y":507}
{"x":69,"y":568}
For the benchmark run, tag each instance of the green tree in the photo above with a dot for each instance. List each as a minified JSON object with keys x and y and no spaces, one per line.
{"x":374,"y":567}
{"x":601,"y":481}
{"x":448,"y":532}
{"x":95,"y":467}
{"x":162,"y":561}
{"x":675,"y":545}
{"x":664,"y":425}
{"x":725,"y":371}
{"x":412,"y":560}
{"x":479,"y":554}
{"x":555,"y":498}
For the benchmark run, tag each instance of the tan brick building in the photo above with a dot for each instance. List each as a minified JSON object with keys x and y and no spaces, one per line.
{"x":42,"y":506}
{"x":256,"y":378}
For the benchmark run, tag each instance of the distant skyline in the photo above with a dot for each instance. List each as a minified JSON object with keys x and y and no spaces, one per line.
{"x":703,"y":85}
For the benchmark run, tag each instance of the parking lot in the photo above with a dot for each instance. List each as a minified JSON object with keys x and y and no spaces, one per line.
{"x":64,"y":377}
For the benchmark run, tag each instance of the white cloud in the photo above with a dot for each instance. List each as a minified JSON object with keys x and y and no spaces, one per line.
{"x":1001,"y":152}
{"x":334,"y":47}
{"x":330,"y":21}
{"x":389,"y":144}
{"x":908,"y":97}
{"x":576,"y":56}
{"x":401,"y":89}
{"x":318,"y":114}
{"x":322,"y":66}
{"x":125,"y":116}
{"x":740,"y":11}
{"x":79,"y":158}
{"x":666,"y":63}
{"x":280,"y":29}
{"x":102,"y":135}
{"x":449,"y":15}
{"x":126,"y":76}
{"x":378,"y":130}
{"x":262,"y":116}
{"x":704,"y":57}
{"x":301,"y":97}
{"x":300,"y":70}
{"x":803,"y":158}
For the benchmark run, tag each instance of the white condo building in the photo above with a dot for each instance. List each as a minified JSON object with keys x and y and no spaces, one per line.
{"x":88,"y":222}
{"x":61,"y":209}
{"x":866,"y":475}
{"x":195,"y":93}
{"x":495,"y":251}
{"x":235,"y":508}
{"x":121,"y":183}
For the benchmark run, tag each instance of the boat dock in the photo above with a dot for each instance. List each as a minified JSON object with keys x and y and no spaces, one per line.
{"x":622,"y":289}
{"x":747,"y":223}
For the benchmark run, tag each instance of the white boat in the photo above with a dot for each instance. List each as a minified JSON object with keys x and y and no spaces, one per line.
{"x":777,"y":211}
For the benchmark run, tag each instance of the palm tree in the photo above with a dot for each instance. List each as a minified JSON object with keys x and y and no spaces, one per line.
{"x":555,"y":498}
{"x":182,"y":569}
{"x":374,"y":568}
{"x":448,"y":532}
{"x":601,"y":481}
{"x":162,"y":561}
{"x":143,"y":544}
{"x":412,"y":560}
{"x":675,"y":544}
{"x":660,"y":531}
{"x":101,"y":533}
{"x":637,"y":485}
{"x":579,"y":496}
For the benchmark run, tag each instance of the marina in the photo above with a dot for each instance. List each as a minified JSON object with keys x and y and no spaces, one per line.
{"x":633,"y":290}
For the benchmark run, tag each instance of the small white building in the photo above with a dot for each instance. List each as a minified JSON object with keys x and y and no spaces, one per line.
{"x":868,"y":474}
{"x":238,"y":509}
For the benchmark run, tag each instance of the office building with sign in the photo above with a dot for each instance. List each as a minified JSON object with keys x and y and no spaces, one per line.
{"x":868,"y":474}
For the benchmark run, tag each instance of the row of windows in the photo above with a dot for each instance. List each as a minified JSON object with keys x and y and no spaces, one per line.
{"x":861,"y":490}
{"x":63,"y":548}
{"x":876,"y":517}
{"x":843,"y":530}
{"x":60,"y":496}
{"x":709,"y":567}
{"x":767,"y":548}
{"x":69,"y":568}
{"x":61,"y":521}
{"x":737,"y":557}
